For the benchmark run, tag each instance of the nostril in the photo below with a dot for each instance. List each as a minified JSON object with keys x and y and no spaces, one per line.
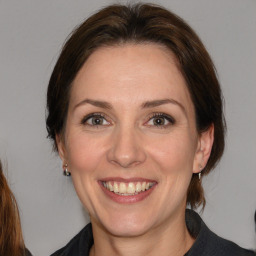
{"x":125,"y":162}
{"x":125,"y":147}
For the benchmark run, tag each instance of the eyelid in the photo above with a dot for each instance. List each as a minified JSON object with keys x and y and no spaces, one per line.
{"x":91,"y":115}
{"x":168,"y":117}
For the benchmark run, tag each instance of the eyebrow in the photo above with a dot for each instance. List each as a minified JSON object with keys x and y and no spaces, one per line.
{"x":156,"y":103}
{"x":96,"y":103}
{"x":147,"y":104}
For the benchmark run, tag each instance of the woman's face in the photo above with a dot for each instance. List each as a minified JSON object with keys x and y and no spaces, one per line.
{"x":130,"y":139}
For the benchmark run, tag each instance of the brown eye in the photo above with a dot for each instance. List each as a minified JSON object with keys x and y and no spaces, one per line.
{"x":160,"y":120}
{"x":97,"y":120}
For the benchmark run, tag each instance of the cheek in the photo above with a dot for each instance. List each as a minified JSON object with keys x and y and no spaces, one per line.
{"x":173,"y":160}
{"x":84,"y":153}
{"x":174,"y":155}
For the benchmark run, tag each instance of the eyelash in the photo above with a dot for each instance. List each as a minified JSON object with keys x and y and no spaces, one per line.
{"x":169,"y":119}
{"x":88,"y":117}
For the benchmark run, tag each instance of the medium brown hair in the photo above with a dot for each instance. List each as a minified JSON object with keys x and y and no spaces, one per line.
{"x":11,"y":240}
{"x":143,"y":23}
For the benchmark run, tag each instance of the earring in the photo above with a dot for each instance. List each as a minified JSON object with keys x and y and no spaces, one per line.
{"x":65,"y":171}
{"x":200,"y":173}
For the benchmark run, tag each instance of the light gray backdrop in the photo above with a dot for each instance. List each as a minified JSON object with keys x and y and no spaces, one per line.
{"x":31,"y":35}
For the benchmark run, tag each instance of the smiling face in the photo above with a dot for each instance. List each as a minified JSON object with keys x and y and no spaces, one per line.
{"x":130,"y":139}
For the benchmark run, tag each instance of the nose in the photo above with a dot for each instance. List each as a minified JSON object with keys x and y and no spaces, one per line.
{"x":126,"y":148}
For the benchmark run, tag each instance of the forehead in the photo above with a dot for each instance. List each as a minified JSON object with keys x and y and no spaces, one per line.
{"x":131,"y":74}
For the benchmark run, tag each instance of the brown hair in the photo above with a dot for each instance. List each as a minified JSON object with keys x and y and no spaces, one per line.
{"x":11,"y":240}
{"x":142,"y":23}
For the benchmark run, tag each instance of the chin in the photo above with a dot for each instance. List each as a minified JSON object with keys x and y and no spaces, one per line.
{"x":127,"y":229}
{"x":129,"y":225}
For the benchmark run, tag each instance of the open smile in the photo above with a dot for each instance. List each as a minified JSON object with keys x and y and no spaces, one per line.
{"x":127,"y":191}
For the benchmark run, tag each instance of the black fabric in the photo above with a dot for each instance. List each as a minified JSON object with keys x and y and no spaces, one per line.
{"x":209,"y":244}
{"x":206,"y":244}
{"x":27,"y":252}
{"x":80,"y":245}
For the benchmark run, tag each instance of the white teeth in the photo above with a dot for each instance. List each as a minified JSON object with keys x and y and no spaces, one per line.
{"x":138,"y":187}
{"x":127,"y":189}
{"x":116,"y":189}
{"x":130,"y":188}
{"x":122,"y":188}
{"x":143,"y":186}
{"x":110,"y":187}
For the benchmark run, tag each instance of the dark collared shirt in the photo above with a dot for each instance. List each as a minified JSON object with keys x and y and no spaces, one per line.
{"x":206,"y":244}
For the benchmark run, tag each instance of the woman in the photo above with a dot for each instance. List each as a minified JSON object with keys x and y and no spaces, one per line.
{"x":11,"y":240}
{"x":135,"y":112}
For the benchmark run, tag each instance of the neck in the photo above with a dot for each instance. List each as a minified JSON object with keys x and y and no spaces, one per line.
{"x":170,"y":238}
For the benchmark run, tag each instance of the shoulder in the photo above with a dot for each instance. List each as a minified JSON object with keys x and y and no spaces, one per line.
{"x":220,"y":246}
{"x":78,"y":245}
{"x":208,"y":243}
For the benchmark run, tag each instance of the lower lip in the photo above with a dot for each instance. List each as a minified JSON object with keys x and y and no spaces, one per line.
{"x":127,"y":199}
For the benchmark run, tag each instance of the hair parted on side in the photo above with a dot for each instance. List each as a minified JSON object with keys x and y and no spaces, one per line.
{"x":11,"y":240}
{"x":138,"y":24}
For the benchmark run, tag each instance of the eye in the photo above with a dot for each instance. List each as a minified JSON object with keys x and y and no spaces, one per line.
{"x":160,"y":120}
{"x":95,"y":120}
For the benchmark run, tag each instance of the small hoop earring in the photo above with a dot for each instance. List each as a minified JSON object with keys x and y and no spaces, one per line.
{"x":200,"y":173}
{"x":65,"y":171}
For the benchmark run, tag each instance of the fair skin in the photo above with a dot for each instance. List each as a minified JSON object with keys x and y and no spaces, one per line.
{"x":131,"y":121}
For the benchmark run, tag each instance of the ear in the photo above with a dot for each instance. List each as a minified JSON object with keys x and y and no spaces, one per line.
{"x":204,"y":148}
{"x":61,"y":147}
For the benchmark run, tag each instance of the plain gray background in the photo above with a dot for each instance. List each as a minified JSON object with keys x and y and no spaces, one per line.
{"x":31,"y":35}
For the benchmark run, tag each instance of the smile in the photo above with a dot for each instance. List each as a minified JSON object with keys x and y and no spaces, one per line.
{"x":127,"y":188}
